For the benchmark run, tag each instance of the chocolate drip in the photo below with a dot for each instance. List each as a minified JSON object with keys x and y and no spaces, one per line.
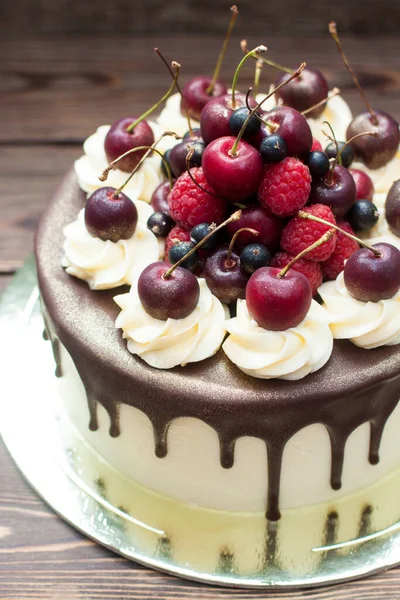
{"x":364,"y":527}
{"x":355,"y":387}
{"x":92,"y":405}
{"x":48,"y":334}
{"x":226,"y":561}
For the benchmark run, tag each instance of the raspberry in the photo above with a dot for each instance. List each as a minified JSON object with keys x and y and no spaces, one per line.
{"x":300,"y":233}
{"x":285,"y":186}
{"x":343,"y":250}
{"x":316,"y":145}
{"x":176,"y":235}
{"x":311,"y":270}
{"x":190,"y":205}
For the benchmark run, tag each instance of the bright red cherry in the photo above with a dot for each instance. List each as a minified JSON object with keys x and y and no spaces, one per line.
{"x":224,"y":275}
{"x":233,"y":176}
{"x":309,"y":88}
{"x":377,"y":151}
{"x":260,"y":219}
{"x":119,"y":140}
{"x":278,"y":303}
{"x":371,"y":277}
{"x":168,"y":297}
{"x":214,"y":121}
{"x":110,"y":215}
{"x":292,"y":126}
{"x":364,"y":185}
{"x":392,"y":208}
{"x":195,"y":95}
{"x":338,"y":192}
{"x":159,"y":199}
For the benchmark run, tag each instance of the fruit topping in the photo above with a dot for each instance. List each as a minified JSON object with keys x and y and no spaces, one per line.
{"x":318,"y":163}
{"x":179,"y":251}
{"x":110,"y":215}
{"x":159,"y":199}
{"x":285,"y":187}
{"x":346,"y":152}
{"x":160,"y":224}
{"x":392,"y":208}
{"x":200,"y":231}
{"x":363,"y":215}
{"x":373,"y":273}
{"x":364,"y":184}
{"x":299,"y":234}
{"x":311,"y":270}
{"x":268,"y":226}
{"x":253,"y":257}
{"x":273,"y":148}
{"x":304,"y":92}
{"x":345,"y":247}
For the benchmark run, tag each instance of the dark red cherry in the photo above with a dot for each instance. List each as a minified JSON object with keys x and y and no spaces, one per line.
{"x":214,"y":121}
{"x":233,"y":177}
{"x":364,"y":185}
{"x":371,"y":278}
{"x":159,"y":199}
{"x":306,"y":90}
{"x":259,"y":218}
{"x":194,"y":135}
{"x":278,"y":303}
{"x":177,"y":157}
{"x":338,"y":193}
{"x":119,"y":140}
{"x":195,"y":95}
{"x":293,"y":128}
{"x":108,"y":217}
{"x":392,"y":208}
{"x":225,"y":277}
{"x":375,"y":152}
{"x":172,"y":298}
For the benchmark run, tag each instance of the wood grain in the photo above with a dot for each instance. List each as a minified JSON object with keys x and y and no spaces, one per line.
{"x":53,"y":93}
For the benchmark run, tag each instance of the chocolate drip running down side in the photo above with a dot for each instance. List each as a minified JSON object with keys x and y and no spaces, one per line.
{"x":356,"y":386}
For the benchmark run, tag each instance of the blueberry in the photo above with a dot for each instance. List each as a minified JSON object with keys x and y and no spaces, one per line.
{"x":199,"y":232}
{"x":253,"y":257}
{"x":160,"y":224}
{"x":318,"y":163}
{"x":238,"y":118}
{"x":198,"y":148}
{"x":347,"y":156}
{"x":363,"y":215}
{"x":179,"y":250}
{"x":273,"y":149}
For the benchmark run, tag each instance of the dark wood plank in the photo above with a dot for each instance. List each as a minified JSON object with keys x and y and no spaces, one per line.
{"x":187,"y":16}
{"x":63,"y":88}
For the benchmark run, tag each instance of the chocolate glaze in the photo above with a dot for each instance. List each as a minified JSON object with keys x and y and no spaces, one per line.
{"x":355,"y":387}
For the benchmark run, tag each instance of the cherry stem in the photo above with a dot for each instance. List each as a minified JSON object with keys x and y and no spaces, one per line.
{"x":178,"y":87}
{"x":257,"y":75}
{"x":148,"y":112}
{"x":334,"y":34}
{"x":233,"y":152}
{"x":217,"y":69}
{"x":229,"y":264}
{"x":331,"y":94}
{"x":272,"y":126}
{"x":189,"y":172}
{"x":253,"y":53}
{"x":267,"y":61}
{"x":234,"y":217}
{"x":329,"y":179}
{"x":324,"y":238}
{"x":304,"y":215}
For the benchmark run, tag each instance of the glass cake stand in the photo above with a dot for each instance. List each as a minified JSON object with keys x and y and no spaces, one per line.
{"x":318,"y":545}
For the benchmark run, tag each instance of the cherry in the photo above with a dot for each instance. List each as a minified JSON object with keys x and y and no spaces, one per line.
{"x":110,"y":215}
{"x":392,"y":208}
{"x":273,"y":148}
{"x":179,"y":251}
{"x":278,"y":302}
{"x":303,"y":92}
{"x":375,"y":152}
{"x":168,"y":296}
{"x":196,"y":96}
{"x":159,"y":199}
{"x":364,"y":184}
{"x":160,"y":224}
{"x":253,"y":257}
{"x":337,"y":190}
{"x":119,"y":140}
{"x":260,"y":219}
{"x":224,"y":275}
{"x":192,"y":135}
{"x":166,"y":160}
{"x":215,"y":117}
{"x":373,"y":274}
{"x":318,"y":163}
{"x":292,"y":126}
{"x":178,"y":154}
{"x":363,"y":215}
{"x":346,"y":152}
{"x":232,"y":169}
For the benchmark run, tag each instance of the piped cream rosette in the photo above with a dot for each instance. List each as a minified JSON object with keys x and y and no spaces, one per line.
{"x":166,"y":344}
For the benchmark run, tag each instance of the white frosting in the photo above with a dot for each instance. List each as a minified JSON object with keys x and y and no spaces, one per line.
{"x":384,"y":176}
{"x":142,"y":185}
{"x":105,"y":264}
{"x":366,"y":324}
{"x":166,"y":344}
{"x":171,"y":118}
{"x":338,"y":114}
{"x":290,"y":354}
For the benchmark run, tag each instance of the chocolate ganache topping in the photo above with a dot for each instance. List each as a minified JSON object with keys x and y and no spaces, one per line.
{"x":356,"y":386}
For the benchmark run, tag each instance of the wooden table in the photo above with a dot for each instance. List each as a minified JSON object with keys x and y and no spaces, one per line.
{"x":54,"y":93}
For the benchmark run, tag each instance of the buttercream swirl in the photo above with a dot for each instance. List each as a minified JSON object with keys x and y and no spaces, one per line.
{"x":142,"y":185}
{"x":105,"y":264}
{"x":290,"y":354}
{"x":166,"y":344}
{"x":367,"y":324}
